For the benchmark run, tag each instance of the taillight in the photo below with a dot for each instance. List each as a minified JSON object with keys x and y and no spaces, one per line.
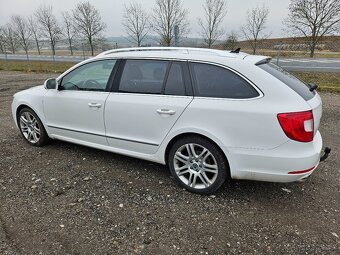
{"x":298,"y":126}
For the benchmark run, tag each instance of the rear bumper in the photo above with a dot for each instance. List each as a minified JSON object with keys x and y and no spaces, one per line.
{"x":291,"y":161}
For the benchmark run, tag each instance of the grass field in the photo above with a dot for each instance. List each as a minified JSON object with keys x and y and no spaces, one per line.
{"x":35,"y":66}
{"x":329,"y":82}
{"x":326,"y":81}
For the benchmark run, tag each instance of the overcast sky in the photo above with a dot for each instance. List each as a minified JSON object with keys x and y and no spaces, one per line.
{"x":111,"y":11}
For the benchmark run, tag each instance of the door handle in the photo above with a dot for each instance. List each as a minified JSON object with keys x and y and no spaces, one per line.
{"x":166,"y":111}
{"x":94,"y":105}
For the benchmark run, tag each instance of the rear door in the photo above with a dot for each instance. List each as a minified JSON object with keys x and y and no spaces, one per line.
{"x":149,"y":96}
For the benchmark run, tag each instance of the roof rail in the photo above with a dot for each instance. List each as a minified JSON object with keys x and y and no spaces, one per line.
{"x":142,"y":49}
{"x":183,"y":50}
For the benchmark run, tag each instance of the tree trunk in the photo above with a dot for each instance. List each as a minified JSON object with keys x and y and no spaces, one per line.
{"x":52,"y":48}
{"x":312,"y":49}
{"x":27,"y":55}
{"x":254,"y":47}
{"x":70,"y":43}
{"x":38,"y":47}
{"x":91,"y":46}
{"x":167,"y":41}
{"x":13,"y":48}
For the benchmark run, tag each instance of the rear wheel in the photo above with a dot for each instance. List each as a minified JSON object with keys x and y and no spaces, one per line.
{"x":31,"y":127}
{"x":198,"y":164}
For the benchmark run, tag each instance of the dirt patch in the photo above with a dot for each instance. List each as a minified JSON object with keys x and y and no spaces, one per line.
{"x":69,"y":199}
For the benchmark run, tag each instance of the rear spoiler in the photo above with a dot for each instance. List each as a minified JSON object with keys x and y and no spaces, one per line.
{"x":263,"y":61}
{"x":257,"y":59}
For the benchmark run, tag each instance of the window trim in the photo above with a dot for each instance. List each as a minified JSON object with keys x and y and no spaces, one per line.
{"x":195,"y":89}
{"x":109,"y":81}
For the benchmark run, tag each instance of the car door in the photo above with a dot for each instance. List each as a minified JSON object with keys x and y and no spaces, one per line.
{"x":75,"y":110}
{"x":149,"y":96}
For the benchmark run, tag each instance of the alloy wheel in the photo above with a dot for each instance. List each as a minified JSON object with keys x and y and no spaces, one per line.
{"x":29,"y":127}
{"x":195,"y":166}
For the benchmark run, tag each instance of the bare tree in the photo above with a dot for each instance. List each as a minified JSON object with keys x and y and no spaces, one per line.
{"x":136,"y":22}
{"x":22,"y":31}
{"x":255,"y":25}
{"x":166,"y":15}
{"x":88,"y":22}
{"x":49,"y":25}
{"x":10,"y":38}
{"x":69,"y":30}
{"x":313,"y":19}
{"x":35,"y":31}
{"x":2,"y":40}
{"x":231,"y":42}
{"x":214,"y":13}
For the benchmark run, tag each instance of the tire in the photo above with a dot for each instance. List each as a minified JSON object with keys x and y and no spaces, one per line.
{"x":198,"y":165}
{"x":31,"y":128}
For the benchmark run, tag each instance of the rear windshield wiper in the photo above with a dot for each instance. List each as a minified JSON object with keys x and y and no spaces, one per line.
{"x":312,"y":86}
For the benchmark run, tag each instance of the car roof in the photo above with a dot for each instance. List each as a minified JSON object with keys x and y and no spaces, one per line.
{"x":181,"y":53}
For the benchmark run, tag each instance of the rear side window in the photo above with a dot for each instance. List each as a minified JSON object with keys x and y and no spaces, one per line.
{"x":143,"y":76}
{"x":215,"y":81}
{"x":175,"y":82}
{"x":290,"y":80}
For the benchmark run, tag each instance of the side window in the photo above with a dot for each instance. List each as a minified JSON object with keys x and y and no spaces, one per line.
{"x":175,"y":83}
{"x":143,"y":76}
{"x":290,"y":80}
{"x":215,"y":81}
{"x":89,"y":77}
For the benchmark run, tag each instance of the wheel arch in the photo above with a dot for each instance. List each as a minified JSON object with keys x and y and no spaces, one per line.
{"x":22,"y":106}
{"x":186,"y":134}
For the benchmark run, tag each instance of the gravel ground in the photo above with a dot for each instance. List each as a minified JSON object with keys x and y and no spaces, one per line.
{"x":69,"y":199}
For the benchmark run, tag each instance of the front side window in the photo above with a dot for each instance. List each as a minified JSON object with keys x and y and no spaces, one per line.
{"x":143,"y":76}
{"x":215,"y":81}
{"x":89,"y":77}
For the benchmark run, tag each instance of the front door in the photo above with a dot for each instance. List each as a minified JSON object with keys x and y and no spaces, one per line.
{"x":75,"y":111}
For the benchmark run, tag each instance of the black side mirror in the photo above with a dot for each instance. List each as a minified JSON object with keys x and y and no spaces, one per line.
{"x":50,"y":83}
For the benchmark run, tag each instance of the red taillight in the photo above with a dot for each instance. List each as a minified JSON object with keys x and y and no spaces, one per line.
{"x":298,"y":126}
{"x":302,"y":171}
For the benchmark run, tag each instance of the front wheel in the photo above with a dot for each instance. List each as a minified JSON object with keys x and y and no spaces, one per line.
{"x":198,"y":165}
{"x":31,"y":127}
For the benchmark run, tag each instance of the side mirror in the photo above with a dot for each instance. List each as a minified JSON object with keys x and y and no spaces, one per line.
{"x":50,"y":83}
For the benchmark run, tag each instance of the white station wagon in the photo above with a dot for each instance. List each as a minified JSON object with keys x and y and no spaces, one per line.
{"x":208,"y":114}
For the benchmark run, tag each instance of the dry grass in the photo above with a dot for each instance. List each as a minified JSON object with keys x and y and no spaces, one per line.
{"x":326,"y":81}
{"x":35,"y":66}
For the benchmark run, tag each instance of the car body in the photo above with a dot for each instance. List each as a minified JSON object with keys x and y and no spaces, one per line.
{"x":259,"y":121}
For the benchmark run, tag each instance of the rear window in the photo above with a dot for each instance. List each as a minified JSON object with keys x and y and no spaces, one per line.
{"x":215,"y":81}
{"x":290,"y":80}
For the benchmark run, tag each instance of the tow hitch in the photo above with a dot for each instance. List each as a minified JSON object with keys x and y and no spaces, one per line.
{"x":326,"y":151}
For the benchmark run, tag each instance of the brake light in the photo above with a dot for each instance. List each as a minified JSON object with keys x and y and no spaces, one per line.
{"x":298,"y":126}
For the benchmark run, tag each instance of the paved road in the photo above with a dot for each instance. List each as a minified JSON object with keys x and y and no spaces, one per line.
{"x":311,"y":65}
{"x":291,"y":64}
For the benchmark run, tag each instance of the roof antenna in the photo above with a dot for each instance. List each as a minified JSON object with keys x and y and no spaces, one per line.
{"x":236,"y":51}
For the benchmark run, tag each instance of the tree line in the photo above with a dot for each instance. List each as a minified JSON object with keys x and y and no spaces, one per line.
{"x":168,"y":19}
{"x":84,"y":21}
